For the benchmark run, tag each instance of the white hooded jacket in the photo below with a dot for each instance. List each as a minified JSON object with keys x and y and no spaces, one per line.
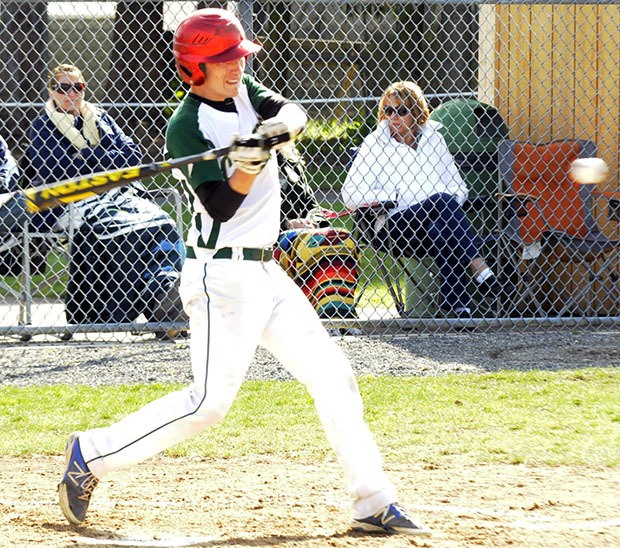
{"x":386,"y":170}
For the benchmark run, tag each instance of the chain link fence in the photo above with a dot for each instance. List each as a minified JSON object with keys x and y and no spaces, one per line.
{"x":503,"y":78}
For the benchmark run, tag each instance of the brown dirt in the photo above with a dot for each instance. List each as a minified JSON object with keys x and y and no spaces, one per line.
{"x":265,"y":501}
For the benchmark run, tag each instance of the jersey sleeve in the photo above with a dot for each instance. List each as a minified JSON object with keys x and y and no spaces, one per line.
{"x":183,"y":138}
{"x":266,"y":103}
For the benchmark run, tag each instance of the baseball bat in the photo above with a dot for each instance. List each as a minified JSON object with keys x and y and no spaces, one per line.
{"x":79,"y":188}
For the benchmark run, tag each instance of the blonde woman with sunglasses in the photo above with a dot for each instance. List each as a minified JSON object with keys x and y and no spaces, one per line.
{"x":73,"y":137}
{"x":126,"y":252}
{"x":406,"y":161}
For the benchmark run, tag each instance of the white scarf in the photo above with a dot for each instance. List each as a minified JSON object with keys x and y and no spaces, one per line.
{"x":89,"y":136}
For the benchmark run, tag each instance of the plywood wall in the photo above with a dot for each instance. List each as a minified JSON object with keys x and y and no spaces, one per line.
{"x":553,"y":71}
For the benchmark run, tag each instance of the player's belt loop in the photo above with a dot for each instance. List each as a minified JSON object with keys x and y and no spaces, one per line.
{"x":236,"y":254}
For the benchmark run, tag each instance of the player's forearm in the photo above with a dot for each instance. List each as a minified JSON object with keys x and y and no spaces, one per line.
{"x":241,"y":181}
{"x":219,"y":199}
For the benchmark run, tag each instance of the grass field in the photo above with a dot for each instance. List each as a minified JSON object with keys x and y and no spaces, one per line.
{"x":543,"y":418}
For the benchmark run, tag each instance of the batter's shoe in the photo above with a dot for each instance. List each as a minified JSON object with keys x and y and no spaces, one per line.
{"x":77,"y":484}
{"x":393,"y":520}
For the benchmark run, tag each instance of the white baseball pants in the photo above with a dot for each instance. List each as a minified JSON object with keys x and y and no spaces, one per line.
{"x":234,"y":306}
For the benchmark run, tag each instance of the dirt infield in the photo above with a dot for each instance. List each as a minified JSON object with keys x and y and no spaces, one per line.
{"x":270,"y":501}
{"x":262,"y":501}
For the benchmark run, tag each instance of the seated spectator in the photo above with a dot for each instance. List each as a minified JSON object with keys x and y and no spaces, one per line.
{"x":126,"y":254}
{"x":406,"y":161}
{"x":73,"y":138}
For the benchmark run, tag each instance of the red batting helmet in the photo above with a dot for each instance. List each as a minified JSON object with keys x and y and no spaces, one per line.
{"x":209,"y":35}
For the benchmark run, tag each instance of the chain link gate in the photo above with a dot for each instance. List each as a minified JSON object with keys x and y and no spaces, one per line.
{"x":501,"y":77}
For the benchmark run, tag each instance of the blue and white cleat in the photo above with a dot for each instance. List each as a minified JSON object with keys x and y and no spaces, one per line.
{"x":392,"y":520}
{"x":77,"y":484}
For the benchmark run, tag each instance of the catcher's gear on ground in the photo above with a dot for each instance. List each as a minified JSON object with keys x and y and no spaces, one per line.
{"x":324,"y":263}
{"x":208,"y":36}
{"x":249,"y":153}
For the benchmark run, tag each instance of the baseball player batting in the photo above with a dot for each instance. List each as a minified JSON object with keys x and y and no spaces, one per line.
{"x":236,"y":296}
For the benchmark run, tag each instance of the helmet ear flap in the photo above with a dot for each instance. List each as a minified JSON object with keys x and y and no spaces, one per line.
{"x":199,"y":80}
{"x":192,"y":74}
{"x":200,"y":74}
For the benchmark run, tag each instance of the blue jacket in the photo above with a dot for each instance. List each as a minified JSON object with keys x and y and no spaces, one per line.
{"x":53,"y":158}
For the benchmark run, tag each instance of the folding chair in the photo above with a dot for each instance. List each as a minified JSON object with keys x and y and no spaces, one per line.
{"x":547,"y":221}
{"x":410,"y":281}
{"x":23,"y":255}
{"x":413,"y":280}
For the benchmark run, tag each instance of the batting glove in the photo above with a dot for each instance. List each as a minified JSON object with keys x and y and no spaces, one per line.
{"x":249,"y":153}
{"x":275,"y":132}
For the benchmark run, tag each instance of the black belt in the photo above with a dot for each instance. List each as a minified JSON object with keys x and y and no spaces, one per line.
{"x":247,"y":253}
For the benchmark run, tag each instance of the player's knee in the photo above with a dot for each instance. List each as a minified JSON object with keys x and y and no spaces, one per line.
{"x":337,"y":384}
{"x":211,"y":414}
{"x":209,"y":410}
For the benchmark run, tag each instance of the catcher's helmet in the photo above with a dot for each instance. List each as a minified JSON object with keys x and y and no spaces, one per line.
{"x":209,"y":35}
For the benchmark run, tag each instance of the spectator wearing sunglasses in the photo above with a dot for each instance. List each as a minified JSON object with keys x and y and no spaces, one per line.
{"x":73,"y":137}
{"x":406,"y":162}
{"x":126,"y":254}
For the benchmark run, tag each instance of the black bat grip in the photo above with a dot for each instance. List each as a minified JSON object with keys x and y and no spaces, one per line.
{"x":255,"y":140}
{"x":275,"y":140}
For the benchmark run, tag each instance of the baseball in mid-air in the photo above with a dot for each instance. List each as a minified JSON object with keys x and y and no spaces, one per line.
{"x":589,"y":171}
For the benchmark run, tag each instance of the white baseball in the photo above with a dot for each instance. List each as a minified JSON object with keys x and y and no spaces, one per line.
{"x":589,"y":171}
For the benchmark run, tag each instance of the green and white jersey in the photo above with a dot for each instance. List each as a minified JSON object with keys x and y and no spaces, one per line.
{"x":195,"y":127}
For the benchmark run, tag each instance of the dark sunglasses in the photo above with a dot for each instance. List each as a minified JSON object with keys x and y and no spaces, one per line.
{"x":78,"y":87}
{"x":401,"y":110}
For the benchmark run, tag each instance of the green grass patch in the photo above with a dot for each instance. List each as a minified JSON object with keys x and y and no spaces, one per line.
{"x":534,"y":417}
{"x":331,"y":138}
{"x":51,"y":285}
{"x":326,"y":178}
